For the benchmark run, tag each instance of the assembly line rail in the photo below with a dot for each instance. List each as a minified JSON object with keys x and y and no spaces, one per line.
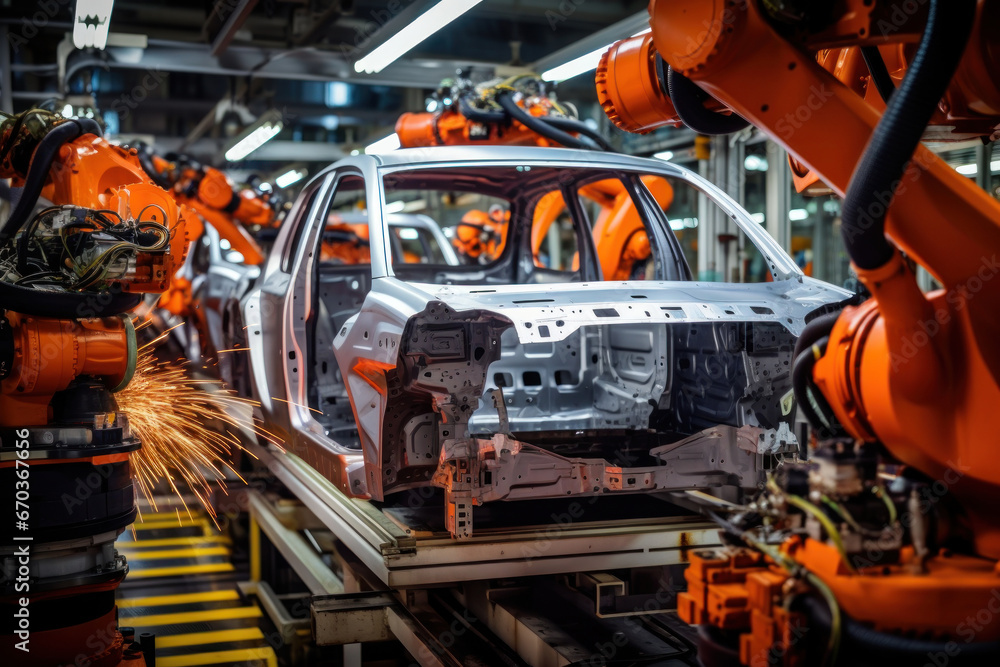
{"x":403,"y":558}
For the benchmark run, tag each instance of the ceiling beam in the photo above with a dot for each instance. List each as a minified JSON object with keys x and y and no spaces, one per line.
{"x":232,"y":23}
{"x":305,"y":64}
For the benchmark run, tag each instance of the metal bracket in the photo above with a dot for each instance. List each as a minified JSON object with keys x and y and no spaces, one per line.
{"x":351,"y":618}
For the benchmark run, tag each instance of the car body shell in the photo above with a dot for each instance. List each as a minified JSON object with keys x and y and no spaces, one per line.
{"x":503,"y":321}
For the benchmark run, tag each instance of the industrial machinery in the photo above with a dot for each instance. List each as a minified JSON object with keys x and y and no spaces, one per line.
{"x":523,"y":110}
{"x":218,"y":201}
{"x":69,"y":274}
{"x":885,"y":549}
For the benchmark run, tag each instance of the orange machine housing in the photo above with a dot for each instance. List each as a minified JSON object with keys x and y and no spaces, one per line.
{"x":91,"y":173}
{"x":451,"y":128}
{"x":917,"y":373}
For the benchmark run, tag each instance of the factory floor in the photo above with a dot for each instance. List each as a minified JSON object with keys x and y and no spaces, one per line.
{"x":182,"y":586}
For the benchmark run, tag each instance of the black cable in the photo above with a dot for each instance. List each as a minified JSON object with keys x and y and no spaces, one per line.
{"x":862,"y":643}
{"x":899,"y":131}
{"x":689,"y":103}
{"x":804,"y":387}
{"x":146,"y":161}
{"x":880,"y":73}
{"x":478,"y":115}
{"x":38,"y":171}
{"x":66,"y":304}
{"x":574,"y":125}
{"x":507,"y":103}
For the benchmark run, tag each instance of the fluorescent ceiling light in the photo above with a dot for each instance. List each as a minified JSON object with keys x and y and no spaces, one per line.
{"x":395,"y":206}
{"x":91,"y":23}
{"x":266,"y":128}
{"x":423,"y":27}
{"x":755,"y":163}
{"x":757,"y":217}
{"x":290,"y":177}
{"x":973,"y":169}
{"x":577,"y":66}
{"x":798,"y":214}
{"x":384,"y":145}
{"x":665,"y":155}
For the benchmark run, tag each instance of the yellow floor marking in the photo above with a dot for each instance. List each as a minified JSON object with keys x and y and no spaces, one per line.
{"x":182,"y":598}
{"x":171,"y":523}
{"x":190,"y":617}
{"x":265,"y":655}
{"x":173,"y":542}
{"x":212,"y":637}
{"x":201,"y":568}
{"x":192,"y":552}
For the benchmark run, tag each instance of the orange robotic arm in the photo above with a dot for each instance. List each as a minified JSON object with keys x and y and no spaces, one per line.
{"x":619,"y":233}
{"x":917,"y":374}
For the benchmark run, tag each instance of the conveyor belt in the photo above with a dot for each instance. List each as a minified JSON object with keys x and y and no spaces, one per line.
{"x":182,"y":586}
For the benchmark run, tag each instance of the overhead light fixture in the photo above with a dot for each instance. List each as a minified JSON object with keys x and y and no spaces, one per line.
{"x":798,"y":214}
{"x":266,"y":128}
{"x":577,"y":66}
{"x":420,"y":29}
{"x":91,"y":24}
{"x":664,"y":155}
{"x":755,"y":163}
{"x":395,"y":207}
{"x":758,"y":217}
{"x":973,"y":169}
{"x":290,"y":177}
{"x":384,"y":145}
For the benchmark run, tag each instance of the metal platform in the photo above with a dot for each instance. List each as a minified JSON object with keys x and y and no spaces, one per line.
{"x":405,"y":550}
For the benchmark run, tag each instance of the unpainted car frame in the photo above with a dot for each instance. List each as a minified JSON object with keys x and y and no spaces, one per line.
{"x":424,"y":364}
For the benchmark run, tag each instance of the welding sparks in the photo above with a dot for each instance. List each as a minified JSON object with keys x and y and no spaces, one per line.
{"x":181,"y":423}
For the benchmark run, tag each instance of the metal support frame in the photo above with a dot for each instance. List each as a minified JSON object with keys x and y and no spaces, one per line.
{"x":984,"y":172}
{"x":6,"y":80}
{"x":401,"y":560}
{"x":779,"y":195}
{"x":352,"y":618}
{"x":292,"y":630}
{"x":307,"y":564}
{"x":233,"y":23}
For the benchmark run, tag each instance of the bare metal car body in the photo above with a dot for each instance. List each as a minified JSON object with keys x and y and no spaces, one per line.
{"x":519,"y":391}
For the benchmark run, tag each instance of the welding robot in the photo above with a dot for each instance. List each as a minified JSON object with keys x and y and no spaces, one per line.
{"x":71,"y":273}
{"x":884,"y":548}
{"x":523,"y":111}
{"x":230,"y":209}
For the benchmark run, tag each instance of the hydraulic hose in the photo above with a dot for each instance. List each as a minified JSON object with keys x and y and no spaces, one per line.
{"x":506,"y":101}
{"x":38,"y":171}
{"x":899,"y":131}
{"x":146,"y":162}
{"x":688,"y":100}
{"x":803,"y":387}
{"x":574,"y":125}
{"x":70,"y":305}
{"x":871,"y":647}
{"x":479,"y":115}
{"x":880,"y":73}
